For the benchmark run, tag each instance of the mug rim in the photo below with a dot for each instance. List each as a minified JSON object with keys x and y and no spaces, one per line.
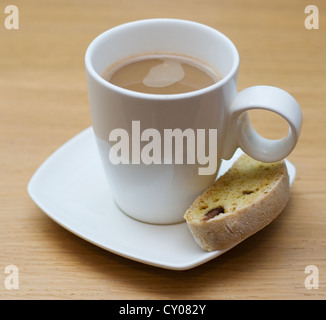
{"x":154,"y":96}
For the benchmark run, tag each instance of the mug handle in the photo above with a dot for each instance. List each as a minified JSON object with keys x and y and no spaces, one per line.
{"x":240,"y":132}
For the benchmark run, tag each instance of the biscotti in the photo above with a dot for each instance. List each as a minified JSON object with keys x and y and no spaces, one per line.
{"x":241,"y":202}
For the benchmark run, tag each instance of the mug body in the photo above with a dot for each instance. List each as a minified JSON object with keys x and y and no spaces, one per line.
{"x":161,"y":191}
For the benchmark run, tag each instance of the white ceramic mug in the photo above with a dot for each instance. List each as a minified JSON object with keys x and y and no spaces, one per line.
{"x":160,"y":193}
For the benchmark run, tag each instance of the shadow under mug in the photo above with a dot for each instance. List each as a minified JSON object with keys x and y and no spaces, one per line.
{"x":160,"y":193}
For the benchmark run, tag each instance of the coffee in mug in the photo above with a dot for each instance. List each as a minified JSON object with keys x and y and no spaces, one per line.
{"x":162,"y":73}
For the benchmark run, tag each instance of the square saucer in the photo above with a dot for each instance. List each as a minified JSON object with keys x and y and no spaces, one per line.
{"x":71,"y":189}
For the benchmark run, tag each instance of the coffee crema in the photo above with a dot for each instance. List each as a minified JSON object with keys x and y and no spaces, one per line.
{"x":162,"y":73}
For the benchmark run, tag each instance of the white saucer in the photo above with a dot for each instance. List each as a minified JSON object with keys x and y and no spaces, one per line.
{"x":71,"y":189}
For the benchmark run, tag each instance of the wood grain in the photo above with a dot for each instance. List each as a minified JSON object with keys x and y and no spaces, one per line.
{"x":44,"y":103}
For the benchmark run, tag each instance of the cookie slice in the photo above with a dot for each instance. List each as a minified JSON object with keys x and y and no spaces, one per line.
{"x":249,"y":196}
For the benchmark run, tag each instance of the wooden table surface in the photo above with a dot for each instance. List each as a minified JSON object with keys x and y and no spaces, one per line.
{"x":43,"y":103}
